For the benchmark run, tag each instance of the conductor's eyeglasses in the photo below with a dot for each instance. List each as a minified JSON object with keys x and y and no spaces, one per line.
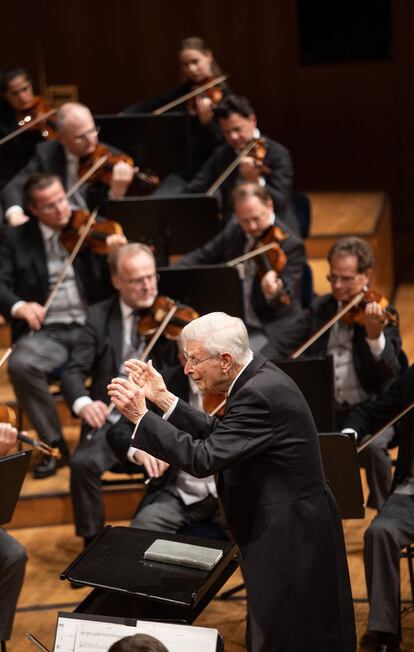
{"x":193,"y":362}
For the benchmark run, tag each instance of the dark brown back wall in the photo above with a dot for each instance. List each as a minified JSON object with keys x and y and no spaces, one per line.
{"x":348,"y":126}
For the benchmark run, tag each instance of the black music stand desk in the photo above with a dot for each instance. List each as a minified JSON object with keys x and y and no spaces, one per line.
{"x":342,"y":471}
{"x":175,"y":225}
{"x":12,"y":473}
{"x":127,"y":586}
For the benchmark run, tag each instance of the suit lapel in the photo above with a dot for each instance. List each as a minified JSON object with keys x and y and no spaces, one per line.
{"x":251,"y":369}
{"x":36,"y":252}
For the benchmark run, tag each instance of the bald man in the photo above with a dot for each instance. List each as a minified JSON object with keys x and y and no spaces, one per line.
{"x":77,"y":139}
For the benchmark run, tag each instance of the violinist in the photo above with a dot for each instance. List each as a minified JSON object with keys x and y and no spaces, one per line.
{"x":13,"y":556}
{"x":366,"y":355}
{"x":273,"y":312}
{"x":31,"y":257}
{"x":17,"y":102}
{"x":74,"y":147}
{"x":109,"y":337}
{"x":198,"y":66}
{"x":174,"y":498}
{"x":238,"y":123}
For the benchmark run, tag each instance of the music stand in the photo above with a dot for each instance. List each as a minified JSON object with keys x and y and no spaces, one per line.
{"x":13,"y":469}
{"x":194,"y":286}
{"x":341,"y":465}
{"x":175,"y":225}
{"x":155,"y":142}
{"x":127,"y":585}
{"x":315,"y":379}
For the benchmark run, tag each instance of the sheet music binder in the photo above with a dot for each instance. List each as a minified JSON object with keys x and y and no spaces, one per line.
{"x":342,"y":471}
{"x":12,"y":473}
{"x":138,"y":624}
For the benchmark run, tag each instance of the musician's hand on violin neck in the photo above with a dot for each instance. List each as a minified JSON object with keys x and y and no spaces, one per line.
{"x":114,"y":241}
{"x":8,"y":438}
{"x":271,"y":284}
{"x":15,"y":218}
{"x":204,"y":109}
{"x":248,"y":169}
{"x":122,"y":175}
{"x":33,"y":313}
{"x":94,"y":413}
{"x":375,"y":321}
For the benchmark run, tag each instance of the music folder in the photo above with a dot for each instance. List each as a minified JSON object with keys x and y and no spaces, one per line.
{"x":12,"y":473}
{"x":76,"y":632}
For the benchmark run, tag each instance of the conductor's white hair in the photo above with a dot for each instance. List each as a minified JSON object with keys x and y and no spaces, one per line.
{"x":219,"y":333}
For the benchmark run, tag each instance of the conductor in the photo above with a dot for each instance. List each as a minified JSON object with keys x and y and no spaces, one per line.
{"x":278,"y":506}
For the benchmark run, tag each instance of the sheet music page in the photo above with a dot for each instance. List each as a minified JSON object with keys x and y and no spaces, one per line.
{"x":99,"y":636}
{"x":181,"y":638}
{"x":65,"y":635}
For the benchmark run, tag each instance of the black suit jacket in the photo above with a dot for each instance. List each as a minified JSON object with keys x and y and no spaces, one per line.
{"x":278,"y":181}
{"x":98,"y":353}
{"x":372,"y":415}
{"x":24,"y":274}
{"x":277,"y":505}
{"x":372,"y":374}
{"x":50,"y":157}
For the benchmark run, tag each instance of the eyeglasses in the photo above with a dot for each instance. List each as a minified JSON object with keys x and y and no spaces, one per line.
{"x":332,"y":278}
{"x":194,"y":362}
{"x":53,"y":206}
{"x":140,"y":282}
{"x":83,"y":137}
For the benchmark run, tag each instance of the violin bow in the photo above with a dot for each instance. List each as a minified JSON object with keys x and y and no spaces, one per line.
{"x":87,"y":175}
{"x":40,"y":445}
{"x":28,"y":124}
{"x":161,"y":328}
{"x":229,"y":169}
{"x":251,"y":254}
{"x":337,"y":316}
{"x":188,"y":96}
{"x":65,"y":268}
{"x":389,"y":423}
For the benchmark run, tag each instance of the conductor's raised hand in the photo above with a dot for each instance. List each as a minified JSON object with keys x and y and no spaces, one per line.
{"x":128,"y":398}
{"x":147,"y":377}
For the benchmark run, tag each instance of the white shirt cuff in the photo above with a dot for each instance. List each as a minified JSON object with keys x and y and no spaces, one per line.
{"x":13,"y":209}
{"x":377,"y":346}
{"x":15,"y":306}
{"x":80,"y":403}
{"x":130,"y":454}
{"x":169,"y":412}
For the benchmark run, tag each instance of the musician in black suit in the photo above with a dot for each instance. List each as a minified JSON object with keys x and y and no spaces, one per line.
{"x":273,"y":311}
{"x":77,"y":140}
{"x":13,"y":556}
{"x":366,"y":355}
{"x":238,"y":123}
{"x":393,"y":528}
{"x":31,"y":258}
{"x":108,"y":338}
{"x":276,"y":501}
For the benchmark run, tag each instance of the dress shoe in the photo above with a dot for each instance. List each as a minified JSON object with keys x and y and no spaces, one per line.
{"x":387,"y":643}
{"x":48,"y":466}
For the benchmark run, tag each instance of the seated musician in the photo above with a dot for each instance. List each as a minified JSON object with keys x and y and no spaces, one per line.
{"x":17,"y":100}
{"x":273,"y":312}
{"x":366,"y":356}
{"x":177,"y":498}
{"x":31,"y":257}
{"x":108,"y":338}
{"x":12,"y":555}
{"x":238,"y":123}
{"x":393,"y":528}
{"x":198,"y":67}
{"x":75,"y":146}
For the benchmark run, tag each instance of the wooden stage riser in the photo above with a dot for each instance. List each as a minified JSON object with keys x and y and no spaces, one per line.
{"x":33,"y":511}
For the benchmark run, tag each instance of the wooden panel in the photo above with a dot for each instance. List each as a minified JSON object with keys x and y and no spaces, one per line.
{"x":366,"y":215}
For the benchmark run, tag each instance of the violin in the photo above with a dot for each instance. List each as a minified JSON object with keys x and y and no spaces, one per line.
{"x":214,"y":93}
{"x":96,"y":237}
{"x":41,"y":107}
{"x":104,"y":172}
{"x":8,"y":415}
{"x":214,"y":404}
{"x":182,"y":316}
{"x":203,"y":88}
{"x":274,"y":258}
{"x":258,"y":152}
{"x":356,"y":315}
